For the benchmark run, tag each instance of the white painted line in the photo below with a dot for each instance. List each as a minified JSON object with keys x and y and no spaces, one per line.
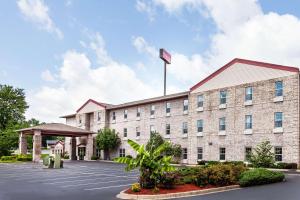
{"x":89,"y":179}
{"x":100,"y":188}
{"x":66,"y":186}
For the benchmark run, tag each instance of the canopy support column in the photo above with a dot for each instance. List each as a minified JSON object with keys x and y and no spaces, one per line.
{"x":89,"y":147}
{"x":22,"y":143}
{"x":37,"y":143}
{"x":73,"y":149}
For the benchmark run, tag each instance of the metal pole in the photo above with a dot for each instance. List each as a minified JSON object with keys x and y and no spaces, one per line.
{"x":165,"y":78}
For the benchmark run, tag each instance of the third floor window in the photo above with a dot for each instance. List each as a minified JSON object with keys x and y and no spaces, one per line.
{"x":168,"y":107}
{"x":223,"y":95}
{"x":278,"y":119}
{"x":278,"y":88}
{"x":152,"y":110}
{"x":138,"y":112}
{"x":200,"y":101}
{"x":248,"y":94}
{"x":185,"y":105}
{"x":125,"y":114}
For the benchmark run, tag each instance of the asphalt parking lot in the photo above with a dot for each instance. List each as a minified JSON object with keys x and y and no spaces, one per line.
{"x":103,"y":181}
{"x":77,"y":180}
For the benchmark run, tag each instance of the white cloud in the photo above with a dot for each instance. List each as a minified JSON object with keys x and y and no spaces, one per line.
{"x":175,"y":5}
{"x":111,"y":82}
{"x":147,"y":7}
{"x":36,"y":11}
{"x":142,"y":46}
{"x":47,"y":76}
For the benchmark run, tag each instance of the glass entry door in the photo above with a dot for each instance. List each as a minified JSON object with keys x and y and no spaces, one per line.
{"x":81,"y":152}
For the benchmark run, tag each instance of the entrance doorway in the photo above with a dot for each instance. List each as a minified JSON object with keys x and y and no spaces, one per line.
{"x":81,"y":153}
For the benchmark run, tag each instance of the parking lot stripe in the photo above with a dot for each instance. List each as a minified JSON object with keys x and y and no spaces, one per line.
{"x":81,"y":184}
{"x":100,"y":188}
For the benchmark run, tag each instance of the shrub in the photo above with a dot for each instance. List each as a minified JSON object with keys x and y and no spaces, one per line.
{"x":128,"y":156}
{"x":94,"y":157}
{"x":24,"y":157}
{"x":212,"y":162}
{"x":202,"y":177}
{"x":201,"y":162}
{"x":169,"y":179}
{"x":283,"y":165}
{"x":260,"y":177}
{"x":263,"y":156}
{"x":136,"y":187}
{"x":8,"y":158}
{"x":66,"y":156}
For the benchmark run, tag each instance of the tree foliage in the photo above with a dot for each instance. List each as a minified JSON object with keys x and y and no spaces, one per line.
{"x":262,"y":156}
{"x":12,"y":106}
{"x":151,"y":163}
{"x":107,"y":139}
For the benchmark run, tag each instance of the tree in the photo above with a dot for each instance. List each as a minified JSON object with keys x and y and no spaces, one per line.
{"x":12,"y":106}
{"x":152,"y":164}
{"x":106,"y":140}
{"x":262,"y":156}
{"x":155,"y":141}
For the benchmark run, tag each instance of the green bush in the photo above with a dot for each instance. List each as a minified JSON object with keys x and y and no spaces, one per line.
{"x":66,"y":156}
{"x":128,"y":156}
{"x":24,"y":157}
{"x":260,"y":177}
{"x":136,"y":187}
{"x":94,"y":157}
{"x":169,"y":179}
{"x":8,"y":158}
{"x":263,"y":155}
{"x":283,"y":165}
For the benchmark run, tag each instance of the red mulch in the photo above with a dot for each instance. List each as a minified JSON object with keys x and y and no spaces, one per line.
{"x":178,"y":188}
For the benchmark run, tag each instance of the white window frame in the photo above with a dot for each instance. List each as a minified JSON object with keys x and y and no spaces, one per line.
{"x":248,"y":124}
{"x":248,"y":93}
{"x":200,"y":101}
{"x":221,"y":153}
{"x":278,"y":90}
{"x":185,"y":128}
{"x":276,"y":154}
{"x":223,"y":95}
{"x":199,"y":153}
{"x":168,"y":129}
{"x":200,"y":122}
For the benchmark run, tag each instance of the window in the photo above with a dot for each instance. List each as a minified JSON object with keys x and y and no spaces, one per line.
{"x":184,"y":128}
{"x":80,"y":119}
{"x":248,"y":122}
{"x":223,"y":94}
{"x":168,"y":129}
{"x":152,"y":129}
{"x":138,"y":112}
{"x":184,"y":153}
{"x":278,"y":154}
{"x":200,"y":100}
{"x":278,"y":120}
{"x":138,"y":131}
{"x":152,"y":110}
{"x":114,"y":116}
{"x":222,"y":153}
{"x":168,"y":107}
{"x":200,"y":153}
{"x":278,"y":88}
{"x":125,"y":132}
{"x":248,"y":94}
{"x":222,"y":125}
{"x":200,"y":125}
{"x":98,"y":116}
{"x":248,"y":152}
{"x":122,"y":152}
{"x":125,"y":114}
{"x":185,"y":105}
{"x":98,"y":153}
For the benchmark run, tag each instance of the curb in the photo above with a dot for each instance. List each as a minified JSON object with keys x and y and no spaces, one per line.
{"x":123,"y":195}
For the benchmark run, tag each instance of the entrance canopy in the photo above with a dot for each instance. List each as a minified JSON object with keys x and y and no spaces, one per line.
{"x":56,"y":129}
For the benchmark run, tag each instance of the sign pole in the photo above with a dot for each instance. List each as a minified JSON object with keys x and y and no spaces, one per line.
{"x":165,"y":78}
{"x":166,"y":57}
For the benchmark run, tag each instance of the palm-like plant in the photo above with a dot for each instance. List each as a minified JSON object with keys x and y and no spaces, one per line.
{"x":152,"y":164}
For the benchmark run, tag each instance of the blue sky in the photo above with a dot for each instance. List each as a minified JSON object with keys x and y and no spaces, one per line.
{"x":65,"y":52}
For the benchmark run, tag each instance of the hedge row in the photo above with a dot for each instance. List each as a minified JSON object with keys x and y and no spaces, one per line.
{"x":260,"y":176}
{"x":21,"y":157}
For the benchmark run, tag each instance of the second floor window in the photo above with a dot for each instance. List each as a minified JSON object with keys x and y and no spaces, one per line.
{"x":278,"y":119}
{"x":223,"y":95}
{"x":200,"y":125}
{"x":200,"y":100}
{"x":184,"y":128}
{"x":152,"y":129}
{"x":80,"y":119}
{"x":114,"y":116}
{"x":248,"y":122}
{"x":138,"y":112}
{"x":278,"y":88}
{"x":248,"y":94}
{"x":98,"y":116}
{"x":168,"y":129}
{"x":185,"y":105}
{"x":138,"y":131}
{"x":222,"y":124}
{"x":125,"y":132}
{"x":152,"y":110}
{"x":125,"y":114}
{"x":168,"y":107}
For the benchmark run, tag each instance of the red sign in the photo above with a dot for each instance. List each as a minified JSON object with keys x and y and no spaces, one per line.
{"x":165,"y":56}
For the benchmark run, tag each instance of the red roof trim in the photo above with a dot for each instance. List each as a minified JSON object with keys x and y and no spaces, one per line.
{"x":93,"y":101}
{"x":244,"y":61}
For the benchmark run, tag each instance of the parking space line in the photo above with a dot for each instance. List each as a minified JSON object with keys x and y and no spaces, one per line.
{"x":91,"y":178}
{"x":100,"y":188}
{"x":81,"y":184}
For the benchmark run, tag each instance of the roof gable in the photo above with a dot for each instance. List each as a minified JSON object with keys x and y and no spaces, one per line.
{"x":240,"y":71}
{"x":93,"y":102}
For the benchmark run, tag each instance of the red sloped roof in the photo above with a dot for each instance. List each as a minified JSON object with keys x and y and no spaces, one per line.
{"x":93,"y":101}
{"x":244,"y":61}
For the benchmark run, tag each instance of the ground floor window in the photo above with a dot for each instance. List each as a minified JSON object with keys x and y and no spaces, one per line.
{"x":98,"y":153}
{"x":200,"y":153}
{"x":222,"y":153}
{"x":184,"y":153}
{"x":248,"y":151}
{"x":122,"y":152}
{"x":278,"y":154}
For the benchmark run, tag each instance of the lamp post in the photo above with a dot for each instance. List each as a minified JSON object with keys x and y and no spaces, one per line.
{"x":166,"y":57}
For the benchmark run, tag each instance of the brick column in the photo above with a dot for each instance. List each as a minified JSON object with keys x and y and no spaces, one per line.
{"x":89,"y":147}
{"x":37,"y":144}
{"x":73,"y":149}
{"x":22,"y":143}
